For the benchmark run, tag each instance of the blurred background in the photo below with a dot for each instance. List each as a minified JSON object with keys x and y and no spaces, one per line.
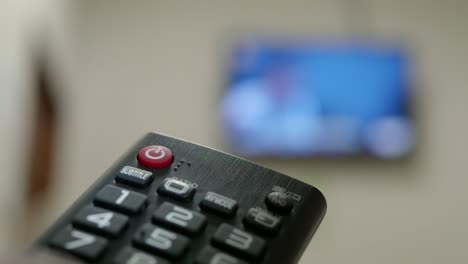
{"x":80,"y":81}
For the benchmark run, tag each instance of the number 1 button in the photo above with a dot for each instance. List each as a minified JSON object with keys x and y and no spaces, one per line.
{"x":121,"y":200}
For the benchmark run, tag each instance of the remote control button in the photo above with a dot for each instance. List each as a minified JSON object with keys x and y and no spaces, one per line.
{"x":179,"y":218}
{"x":279,"y":203}
{"x":210,"y":255}
{"x":100,"y":221}
{"x":132,"y":256}
{"x":262,"y":221}
{"x":161,"y":241}
{"x":155,"y":157}
{"x":79,"y":243}
{"x":238,"y":242}
{"x":176,"y":189}
{"x":219,"y":204}
{"x":121,"y":200}
{"x":135,"y":177}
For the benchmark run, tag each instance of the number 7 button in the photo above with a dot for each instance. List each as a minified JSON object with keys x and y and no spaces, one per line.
{"x":80,"y":243}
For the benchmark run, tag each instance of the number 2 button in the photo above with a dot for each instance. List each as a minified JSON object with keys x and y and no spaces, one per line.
{"x":101,"y":221}
{"x":121,"y":200}
{"x":179,"y":218}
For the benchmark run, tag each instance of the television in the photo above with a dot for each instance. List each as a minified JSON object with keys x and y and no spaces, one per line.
{"x":303,"y":98}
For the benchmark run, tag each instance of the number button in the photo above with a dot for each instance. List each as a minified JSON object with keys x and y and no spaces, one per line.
{"x":121,"y":200}
{"x":238,"y":242}
{"x":262,"y":221}
{"x":100,"y":221}
{"x":179,"y":218}
{"x":82,"y":244}
{"x":176,"y":189}
{"x":161,"y":241}
{"x":132,"y":256}
{"x":210,"y":255}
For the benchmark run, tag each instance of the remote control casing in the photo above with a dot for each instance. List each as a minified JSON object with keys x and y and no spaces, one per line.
{"x":213,"y":171}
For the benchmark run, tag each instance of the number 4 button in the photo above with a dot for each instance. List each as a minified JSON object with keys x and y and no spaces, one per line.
{"x":100,"y":221}
{"x":121,"y":200}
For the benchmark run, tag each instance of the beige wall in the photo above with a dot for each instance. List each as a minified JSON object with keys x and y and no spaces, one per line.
{"x":123,"y":62}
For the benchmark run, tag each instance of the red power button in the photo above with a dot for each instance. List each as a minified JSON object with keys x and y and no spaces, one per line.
{"x":156,"y":157}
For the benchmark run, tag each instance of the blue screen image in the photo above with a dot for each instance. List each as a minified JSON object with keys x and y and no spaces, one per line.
{"x":324,"y":98}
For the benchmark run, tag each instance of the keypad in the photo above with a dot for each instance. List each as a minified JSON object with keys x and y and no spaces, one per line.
{"x":239,"y":242}
{"x":210,"y":255}
{"x":120,"y":199}
{"x":179,"y":218}
{"x":175,"y":222}
{"x":165,"y":240}
{"x":132,"y":256}
{"x":262,"y":221}
{"x":176,"y":189}
{"x":82,"y":244}
{"x":101,"y":221}
{"x":219,"y":204}
{"x":161,"y":241}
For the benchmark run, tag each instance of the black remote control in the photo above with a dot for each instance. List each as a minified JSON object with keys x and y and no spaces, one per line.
{"x":171,"y":201}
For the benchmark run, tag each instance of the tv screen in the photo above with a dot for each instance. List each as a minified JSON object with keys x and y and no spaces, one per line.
{"x":318,"y":98}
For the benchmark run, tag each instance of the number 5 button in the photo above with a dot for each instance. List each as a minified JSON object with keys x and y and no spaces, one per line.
{"x":121,"y":200}
{"x":100,"y":221}
{"x":161,"y":241}
{"x":179,"y":218}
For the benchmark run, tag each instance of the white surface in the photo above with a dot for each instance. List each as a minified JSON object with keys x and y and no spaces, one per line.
{"x":15,"y":112}
{"x":156,"y":66}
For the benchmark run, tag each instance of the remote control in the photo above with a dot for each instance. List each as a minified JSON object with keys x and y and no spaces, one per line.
{"x":170,"y":201}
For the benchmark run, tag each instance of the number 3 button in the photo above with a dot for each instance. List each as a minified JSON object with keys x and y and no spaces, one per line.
{"x":238,"y":242}
{"x":121,"y":200}
{"x":100,"y":221}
